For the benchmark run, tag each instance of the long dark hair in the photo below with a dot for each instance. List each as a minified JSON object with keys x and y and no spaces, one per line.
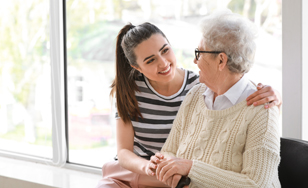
{"x":124,"y":86}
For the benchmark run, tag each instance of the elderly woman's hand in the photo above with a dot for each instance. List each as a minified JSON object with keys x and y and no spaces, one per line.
{"x":173,"y":180}
{"x":265,"y":94}
{"x":172,"y":166}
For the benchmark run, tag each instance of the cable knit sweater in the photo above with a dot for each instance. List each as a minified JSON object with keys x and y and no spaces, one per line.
{"x":236,"y":147}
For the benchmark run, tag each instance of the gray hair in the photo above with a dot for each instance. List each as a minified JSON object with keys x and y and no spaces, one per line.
{"x":233,"y":34}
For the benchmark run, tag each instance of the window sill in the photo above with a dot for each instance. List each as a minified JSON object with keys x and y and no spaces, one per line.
{"x":14,"y":173}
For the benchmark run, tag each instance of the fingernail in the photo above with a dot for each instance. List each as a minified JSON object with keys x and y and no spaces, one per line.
{"x":248,"y":103}
{"x":266,"y":106}
{"x":255,"y":103}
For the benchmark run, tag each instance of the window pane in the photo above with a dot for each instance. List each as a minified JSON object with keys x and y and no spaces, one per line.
{"x":92,"y":27}
{"x":25,"y":102}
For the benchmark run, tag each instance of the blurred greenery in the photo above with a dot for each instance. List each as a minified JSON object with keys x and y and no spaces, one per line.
{"x":17,"y":134}
{"x":24,"y":32}
{"x":44,"y":137}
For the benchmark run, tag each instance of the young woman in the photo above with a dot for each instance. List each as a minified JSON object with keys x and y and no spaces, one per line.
{"x":149,"y":89}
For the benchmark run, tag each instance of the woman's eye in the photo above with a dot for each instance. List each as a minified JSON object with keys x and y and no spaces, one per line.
{"x":150,"y":61}
{"x":165,"y":50}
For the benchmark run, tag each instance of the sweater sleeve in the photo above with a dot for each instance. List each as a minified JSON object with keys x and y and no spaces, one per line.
{"x":260,"y":158}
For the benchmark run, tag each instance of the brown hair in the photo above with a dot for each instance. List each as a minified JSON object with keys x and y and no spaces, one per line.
{"x":124,"y":86}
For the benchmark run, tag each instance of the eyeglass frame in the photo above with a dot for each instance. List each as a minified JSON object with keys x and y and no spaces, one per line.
{"x":197,"y":51}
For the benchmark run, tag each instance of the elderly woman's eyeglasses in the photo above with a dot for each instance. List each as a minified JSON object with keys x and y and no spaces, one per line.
{"x":197,"y":53}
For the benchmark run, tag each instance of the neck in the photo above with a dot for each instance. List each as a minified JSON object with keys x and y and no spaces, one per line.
{"x":172,"y":87}
{"x":225,"y":82}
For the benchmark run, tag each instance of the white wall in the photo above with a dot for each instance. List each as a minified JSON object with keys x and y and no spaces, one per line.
{"x":294,"y":80}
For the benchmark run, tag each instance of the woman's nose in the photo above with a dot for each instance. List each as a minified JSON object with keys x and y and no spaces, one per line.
{"x":163,"y":62}
{"x":195,"y":60}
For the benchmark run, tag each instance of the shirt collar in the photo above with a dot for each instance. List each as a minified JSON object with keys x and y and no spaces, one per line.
{"x":235,"y":92}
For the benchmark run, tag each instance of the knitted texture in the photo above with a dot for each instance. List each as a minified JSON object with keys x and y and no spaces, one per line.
{"x":235,"y":147}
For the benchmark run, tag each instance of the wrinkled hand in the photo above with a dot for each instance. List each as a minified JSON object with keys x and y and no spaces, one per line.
{"x":173,"y":166}
{"x":265,"y":94}
{"x":173,"y":180}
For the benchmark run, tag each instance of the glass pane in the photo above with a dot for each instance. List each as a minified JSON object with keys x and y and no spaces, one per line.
{"x":25,"y":95}
{"x":92,"y":27}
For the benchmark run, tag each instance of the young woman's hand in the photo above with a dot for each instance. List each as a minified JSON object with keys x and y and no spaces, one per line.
{"x":151,"y":168}
{"x":172,"y":166}
{"x":265,"y":94}
{"x":154,"y":161}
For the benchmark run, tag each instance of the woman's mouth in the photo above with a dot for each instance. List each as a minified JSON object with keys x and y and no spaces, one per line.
{"x":166,"y":71}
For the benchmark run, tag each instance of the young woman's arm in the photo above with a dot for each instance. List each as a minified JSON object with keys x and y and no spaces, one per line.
{"x":125,"y":148}
{"x":129,"y":160}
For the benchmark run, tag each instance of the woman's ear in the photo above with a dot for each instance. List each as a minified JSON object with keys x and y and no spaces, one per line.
{"x":138,"y":69}
{"x":223,"y":58}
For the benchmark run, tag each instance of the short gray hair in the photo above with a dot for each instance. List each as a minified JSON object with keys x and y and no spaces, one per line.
{"x":233,"y":34}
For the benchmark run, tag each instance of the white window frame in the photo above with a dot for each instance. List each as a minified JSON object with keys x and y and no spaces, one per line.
{"x":57,"y":55}
{"x":295,"y":82}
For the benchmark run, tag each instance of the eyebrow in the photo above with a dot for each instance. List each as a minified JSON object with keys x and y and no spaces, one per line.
{"x":153,"y":55}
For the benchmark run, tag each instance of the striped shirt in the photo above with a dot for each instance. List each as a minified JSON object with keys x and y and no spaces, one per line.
{"x":158,"y":113}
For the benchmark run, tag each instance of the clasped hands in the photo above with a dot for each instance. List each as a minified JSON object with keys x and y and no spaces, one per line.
{"x":168,"y":170}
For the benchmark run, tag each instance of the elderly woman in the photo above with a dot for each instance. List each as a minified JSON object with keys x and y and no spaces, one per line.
{"x":216,"y":139}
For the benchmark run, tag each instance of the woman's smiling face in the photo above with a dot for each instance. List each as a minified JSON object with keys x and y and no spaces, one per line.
{"x":156,"y":59}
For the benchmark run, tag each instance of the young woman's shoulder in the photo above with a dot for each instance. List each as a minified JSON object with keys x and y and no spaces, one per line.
{"x":192,"y":79}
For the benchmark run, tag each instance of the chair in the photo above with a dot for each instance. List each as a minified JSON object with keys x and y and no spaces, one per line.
{"x":293,"y":168}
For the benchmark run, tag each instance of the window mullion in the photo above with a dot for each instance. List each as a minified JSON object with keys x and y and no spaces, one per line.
{"x":57,"y":75}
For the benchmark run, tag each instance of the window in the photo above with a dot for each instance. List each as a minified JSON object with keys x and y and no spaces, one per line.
{"x":92,"y":27}
{"x":25,"y":95}
{"x":27,"y":74}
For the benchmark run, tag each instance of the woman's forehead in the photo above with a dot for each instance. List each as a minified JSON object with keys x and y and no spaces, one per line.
{"x":201,"y":44}
{"x":152,"y":44}
{"x":157,"y":38}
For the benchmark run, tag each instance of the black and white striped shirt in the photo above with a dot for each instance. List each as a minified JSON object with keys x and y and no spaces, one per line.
{"x":158,"y":113}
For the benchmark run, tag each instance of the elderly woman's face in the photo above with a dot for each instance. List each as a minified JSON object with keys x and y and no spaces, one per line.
{"x":208,"y":65}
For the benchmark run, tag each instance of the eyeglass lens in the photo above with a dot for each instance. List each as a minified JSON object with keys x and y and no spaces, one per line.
{"x":197,"y":53}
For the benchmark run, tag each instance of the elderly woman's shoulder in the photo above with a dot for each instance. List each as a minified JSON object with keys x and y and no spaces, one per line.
{"x":261,"y":111}
{"x":193,"y":93}
{"x":196,"y":89}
